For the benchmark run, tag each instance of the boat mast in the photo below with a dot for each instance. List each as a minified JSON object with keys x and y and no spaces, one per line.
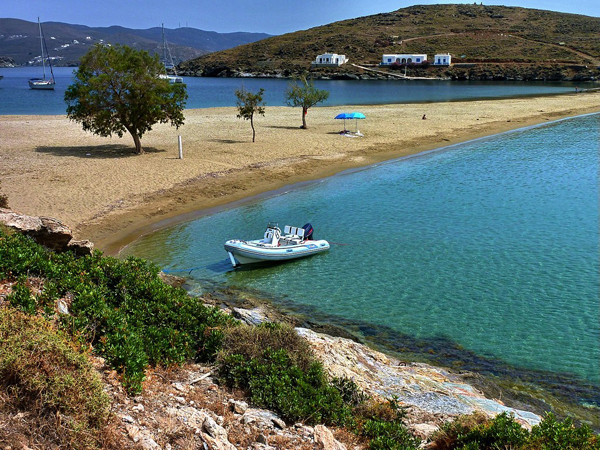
{"x":42,"y":47}
{"x":164,"y":45}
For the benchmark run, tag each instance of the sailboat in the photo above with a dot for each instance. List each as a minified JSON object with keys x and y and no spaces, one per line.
{"x":43,"y":83}
{"x":169,"y":63}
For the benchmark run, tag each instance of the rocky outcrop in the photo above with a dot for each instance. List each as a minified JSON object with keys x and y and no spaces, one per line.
{"x":432,"y":395}
{"x":49,"y":232}
{"x":5,"y":61}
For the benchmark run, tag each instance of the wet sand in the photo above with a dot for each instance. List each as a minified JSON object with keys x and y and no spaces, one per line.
{"x":106,"y":193}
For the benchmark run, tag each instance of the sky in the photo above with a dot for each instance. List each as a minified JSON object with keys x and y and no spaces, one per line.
{"x":225,"y":16}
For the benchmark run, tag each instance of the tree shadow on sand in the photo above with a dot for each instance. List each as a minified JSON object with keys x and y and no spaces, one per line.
{"x":227,"y":141}
{"x":109,"y":151}
{"x":284,"y":127}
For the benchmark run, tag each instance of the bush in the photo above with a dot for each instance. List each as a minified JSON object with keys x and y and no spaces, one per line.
{"x":276,"y":368}
{"x":551,"y":434}
{"x":45,"y":375}
{"x":479,"y":432}
{"x":122,"y":308}
{"x":383,"y":424}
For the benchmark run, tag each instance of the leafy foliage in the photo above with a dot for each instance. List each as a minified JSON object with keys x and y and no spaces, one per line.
{"x":277,"y":369}
{"x":479,"y":432}
{"x":383,"y":424}
{"x":121,"y":307}
{"x":46,"y":375}
{"x":302,"y":92}
{"x":119,"y":89}
{"x":249,"y":104}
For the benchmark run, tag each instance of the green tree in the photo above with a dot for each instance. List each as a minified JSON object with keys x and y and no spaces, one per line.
{"x":120,"y":89}
{"x":249,"y":104}
{"x":302,"y":92}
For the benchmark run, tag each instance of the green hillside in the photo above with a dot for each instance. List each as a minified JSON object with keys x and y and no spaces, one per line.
{"x":470,"y":33}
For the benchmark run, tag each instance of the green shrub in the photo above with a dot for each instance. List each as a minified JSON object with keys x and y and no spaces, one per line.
{"x":45,"y":375}
{"x":121,"y":307}
{"x":383,"y":424}
{"x":551,"y":434}
{"x":478,"y":432}
{"x":277,"y":369}
{"x":21,"y":297}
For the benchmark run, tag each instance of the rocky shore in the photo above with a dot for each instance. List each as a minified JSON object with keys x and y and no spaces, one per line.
{"x":187,"y":401}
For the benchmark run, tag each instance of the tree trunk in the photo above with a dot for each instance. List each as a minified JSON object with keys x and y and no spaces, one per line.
{"x":252,"y":125}
{"x":304,"y":112}
{"x":136,"y":139}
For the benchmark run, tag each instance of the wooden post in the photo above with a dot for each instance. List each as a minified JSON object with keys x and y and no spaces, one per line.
{"x":180,"y":147}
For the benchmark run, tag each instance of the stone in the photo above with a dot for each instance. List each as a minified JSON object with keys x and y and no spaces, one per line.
{"x":423,"y":430}
{"x":278,"y":423}
{"x":46,"y":231}
{"x":127,"y":419}
{"x":324,"y":439}
{"x":215,"y":435}
{"x":238,"y":407}
{"x":250,"y":316}
{"x":81,"y":247}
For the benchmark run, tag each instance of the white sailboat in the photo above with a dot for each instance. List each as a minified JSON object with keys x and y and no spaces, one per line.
{"x":169,"y":62}
{"x":43,"y":83}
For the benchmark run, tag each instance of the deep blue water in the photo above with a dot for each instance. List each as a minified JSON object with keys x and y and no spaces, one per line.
{"x":492,"y":245}
{"x":17,"y":98}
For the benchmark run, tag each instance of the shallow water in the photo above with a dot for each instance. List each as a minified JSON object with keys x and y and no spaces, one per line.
{"x":17,"y":98}
{"x":490,"y":246}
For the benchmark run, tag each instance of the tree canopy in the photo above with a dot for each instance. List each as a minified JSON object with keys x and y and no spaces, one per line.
{"x":249,"y":104}
{"x":302,"y":92}
{"x":120,"y":89}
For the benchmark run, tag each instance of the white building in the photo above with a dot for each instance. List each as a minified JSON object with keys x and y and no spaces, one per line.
{"x":442,"y":59}
{"x":403,"y":59}
{"x":329,"y":59}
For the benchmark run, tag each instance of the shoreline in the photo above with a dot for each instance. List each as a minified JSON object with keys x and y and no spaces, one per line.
{"x":99,"y":188}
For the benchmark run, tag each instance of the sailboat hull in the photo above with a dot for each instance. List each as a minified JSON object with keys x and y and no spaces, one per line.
{"x":39,"y":84}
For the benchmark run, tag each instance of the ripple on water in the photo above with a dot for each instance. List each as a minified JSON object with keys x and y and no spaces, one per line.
{"x":492,"y":245}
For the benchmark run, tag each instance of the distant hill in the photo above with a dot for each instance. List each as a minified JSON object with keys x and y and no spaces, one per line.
{"x":494,"y":35}
{"x":19,"y":40}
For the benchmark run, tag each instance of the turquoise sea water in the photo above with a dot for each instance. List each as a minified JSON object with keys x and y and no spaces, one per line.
{"x":17,"y":98}
{"x":491,"y":246}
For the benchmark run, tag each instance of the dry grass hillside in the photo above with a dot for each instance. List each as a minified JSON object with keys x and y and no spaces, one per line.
{"x":470,"y":33}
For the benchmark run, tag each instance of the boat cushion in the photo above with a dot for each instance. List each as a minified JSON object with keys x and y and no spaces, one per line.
{"x":294,"y":230}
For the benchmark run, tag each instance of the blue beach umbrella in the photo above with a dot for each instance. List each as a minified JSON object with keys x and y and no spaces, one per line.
{"x":357,"y":115}
{"x":344,"y":116}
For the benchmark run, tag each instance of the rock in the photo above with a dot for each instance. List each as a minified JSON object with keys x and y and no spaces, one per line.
{"x":216,"y":435}
{"x":279,"y":423}
{"x":81,"y":248}
{"x":426,"y":389}
{"x":423,"y":430}
{"x":62,"y":307}
{"x":250,"y":316}
{"x":238,"y":407}
{"x":127,"y":419}
{"x":180,"y":400}
{"x":261,"y":439}
{"x":142,"y":437}
{"x":260,"y":416}
{"x":49,"y":232}
{"x":324,"y":439}
{"x":138,"y":408}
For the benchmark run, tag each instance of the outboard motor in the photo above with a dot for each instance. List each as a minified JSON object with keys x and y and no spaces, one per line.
{"x":308,"y":232}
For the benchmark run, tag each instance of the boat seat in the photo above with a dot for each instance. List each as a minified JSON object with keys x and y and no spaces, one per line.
{"x":293,"y":232}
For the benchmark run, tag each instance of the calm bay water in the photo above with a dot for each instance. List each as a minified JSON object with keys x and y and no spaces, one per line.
{"x":491,"y":245}
{"x":17,"y":98}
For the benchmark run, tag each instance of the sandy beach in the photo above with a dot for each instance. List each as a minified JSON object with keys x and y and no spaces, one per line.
{"x":106,"y":193}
